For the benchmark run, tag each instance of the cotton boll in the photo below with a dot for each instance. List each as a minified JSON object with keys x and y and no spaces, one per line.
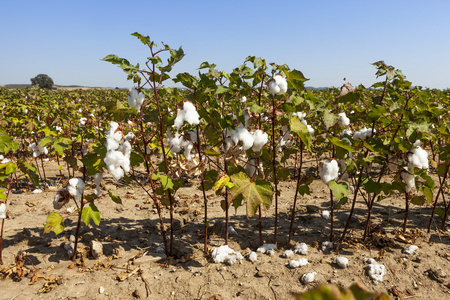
{"x":363,"y":134}
{"x":266,"y":247}
{"x":409,"y":179}
{"x":2,"y":211}
{"x":347,"y":132}
{"x":252,"y":256}
{"x":328,"y":170}
{"x":82,"y":122}
{"x":37,"y":191}
{"x":61,"y":198}
{"x":135,"y":99}
{"x":298,"y":263}
{"x":277,"y":85}
{"x":310,"y":130}
{"x":260,"y":139}
{"x":343,"y":120}
{"x":327,"y":245}
{"x":243,"y":99}
{"x":98,"y":180}
{"x":288,"y":253}
{"x":307,"y":278}
{"x":301,"y":248}
{"x":179,"y":120}
{"x":76,"y":188}
{"x":191,"y":115}
{"x":342,"y":262}
{"x":375,"y":270}
{"x":326,"y":214}
{"x":300,"y":115}
{"x":130,"y":136}
{"x":410,"y":249}
{"x":418,"y":158}
{"x":246,"y":138}
{"x":270,"y":252}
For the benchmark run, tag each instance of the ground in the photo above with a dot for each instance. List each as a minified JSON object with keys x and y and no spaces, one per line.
{"x":130,"y":235}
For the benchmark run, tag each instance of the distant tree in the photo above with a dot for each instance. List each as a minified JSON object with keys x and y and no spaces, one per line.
{"x":43,"y":81}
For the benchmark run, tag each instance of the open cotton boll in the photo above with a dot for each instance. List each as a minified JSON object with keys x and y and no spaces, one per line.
{"x":37,"y":191}
{"x":300,"y":115}
{"x":326,"y":214}
{"x":224,"y":254}
{"x":82,"y":122}
{"x":363,"y":134}
{"x":328,"y":170}
{"x":252,"y":256}
{"x":243,"y":99}
{"x":4,"y":160}
{"x":417,"y":158}
{"x":327,"y":245}
{"x":175,"y":143}
{"x":410,"y":249}
{"x":97,"y":181}
{"x":179,"y":120}
{"x":347,"y":132}
{"x":2,"y":211}
{"x":307,"y":278}
{"x":130,"y":136}
{"x":266,"y":247}
{"x":298,"y":263}
{"x":301,"y":248}
{"x":76,"y":188}
{"x":310,"y":130}
{"x":342,"y":262}
{"x":288,"y":253}
{"x":277,"y":85}
{"x":375,"y":270}
{"x":61,"y":198}
{"x":260,"y":139}
{"x":191,"y":114}
{"x":343,"y":120}
{"x":135,"y":99}
{"x":37,"y":151}
{"x":409,"y":179}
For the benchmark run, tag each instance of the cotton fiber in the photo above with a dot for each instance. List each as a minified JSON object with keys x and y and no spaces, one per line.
{"x":136,"y":99}
{"x":328,"y":170}
{"x":277,"y":85}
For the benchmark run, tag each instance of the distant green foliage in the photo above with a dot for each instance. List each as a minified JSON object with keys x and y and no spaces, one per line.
{"x":43,"y":81}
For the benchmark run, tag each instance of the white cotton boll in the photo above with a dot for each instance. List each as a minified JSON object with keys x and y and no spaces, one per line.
{"x":298,"y":263}
{"x":246,"y":138}
{"x":76,"y":188}
{"x":326,"y":214}
{"x":270,"y":252}
{"x":327,"y":245}
{"x":363,"y":134}
{"x":260,"y":139}
{"x":417,"y":143}
{"x":225,"y":254}
{"x":418,"y":158}
{"x":130,"y":136}
{"x":266,"y":247}
{"x":273,"y":87}
{"x":307,"y":278}
{"x":288,"y":253}
{"x":135,"y":99}
{"x":179,"y":120}
{"x":310,"y":130}
{"x":375,"y":271}
{"x":97,"y":181}
{"x":58,"y":128}
{"x":409,"y":179}
{"x":343,"y":120}
{"x":191,"y":115}
{"x":5,"y":161}
{"x":252,"y":256}
{"x":2,"y":157}
{"x":175,"y":143}
{"x":342,"y":262}
{"x":243,"y":99}
{"x":282,"y":83}
{"x":328,"y":170}
{"x":300,"y":115}
{"x":37,"y":191}
{"x":410,"y":249}
{"x":2,"y":211}
{"x":26,"y":110}
{"x":301,"y":248}
{"x":82,"y":122}
{"x":187,"y":150}
{"x":347,"y":132}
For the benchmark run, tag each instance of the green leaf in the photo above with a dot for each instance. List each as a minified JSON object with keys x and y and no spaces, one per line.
{"x":90,"y":212}
{"x":165,"y":180}
{"x":114,"y":198}
{"x":45,"y":141}
{"x":255,"y":108}
{"x":54,"y":223}
{"x":418,"y":200}
{"x":301,"y":130}
{"x":329,"y":118}
{"x":10,"y":168}
{"x":254,"y":193}
{"x":341,"y":143}
{"x":340,"y":190}
{"x":144,"y":39}
{"x":428,"y":193}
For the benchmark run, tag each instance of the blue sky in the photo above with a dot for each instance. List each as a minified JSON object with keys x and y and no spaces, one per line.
{"x":326,"y":40}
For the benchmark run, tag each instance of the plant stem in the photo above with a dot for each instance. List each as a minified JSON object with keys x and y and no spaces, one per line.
{"x":203,"y":191}
{"x":275,"y":179}
{"x":331,"y":216}
{"x":437,"y":197}
{"x":3,"y":222}
{"x":296,"y":191}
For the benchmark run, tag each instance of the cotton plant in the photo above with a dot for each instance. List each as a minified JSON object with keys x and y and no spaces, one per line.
{"x":136,"y":99}
{"x":179,"y":142}
{"x":363,"y":134}
{"x":328,"y":170}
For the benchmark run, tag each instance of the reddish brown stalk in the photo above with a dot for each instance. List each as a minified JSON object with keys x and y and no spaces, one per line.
{"x":405,"y":220}
{"x":296,"y":191}
{"x":275,"y":179}
{"x":3,"y":221}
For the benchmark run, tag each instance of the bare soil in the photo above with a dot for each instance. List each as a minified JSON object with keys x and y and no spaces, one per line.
{"x":130,"y":234}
